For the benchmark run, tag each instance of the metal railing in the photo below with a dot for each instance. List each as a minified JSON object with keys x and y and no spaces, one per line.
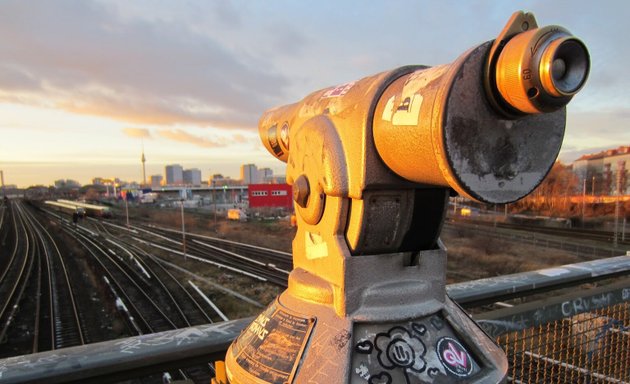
{"x":579,"y":337}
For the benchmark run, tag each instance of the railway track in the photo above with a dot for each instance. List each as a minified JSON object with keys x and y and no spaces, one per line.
{"x":574,"y":233}
{"x":50,"y":259}
{"x":189,"y":308}
{"x":16,"y":273}
{"x":36,"y":290}
{"x":580,"y":245}
{"x":128,"y":265}
{"x":147,"y":295}
{"x":144,"y":314}
{"x":260,"y":263}
{"x":65,"y":320}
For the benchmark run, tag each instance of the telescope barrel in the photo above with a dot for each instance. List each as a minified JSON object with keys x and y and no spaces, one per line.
{"x":489,"y":125}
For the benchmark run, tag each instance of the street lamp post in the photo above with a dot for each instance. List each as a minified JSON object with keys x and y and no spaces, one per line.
{"x":127,"y":210}
{"x":583,"y":199}
{"x":214,"y":201}
{"x":620,"y":166}
{"x":183,"y":230}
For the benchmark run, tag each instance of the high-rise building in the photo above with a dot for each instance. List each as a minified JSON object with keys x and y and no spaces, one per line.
{"x":174,"y":174}
{"x":192,"y":177}
{"x":265,"y":176}
{"x":156,"y":181}
{"x":249,"y":174}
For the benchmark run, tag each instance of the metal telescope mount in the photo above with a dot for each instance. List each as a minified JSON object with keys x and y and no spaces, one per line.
{"x":373,"y":163}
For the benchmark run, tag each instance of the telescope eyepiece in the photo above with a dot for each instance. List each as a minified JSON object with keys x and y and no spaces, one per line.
{"x":564,"y":67}
{"x":539,"y":70}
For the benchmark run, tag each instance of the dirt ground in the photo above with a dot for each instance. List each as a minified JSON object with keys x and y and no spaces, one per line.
{"x":470,"y":255}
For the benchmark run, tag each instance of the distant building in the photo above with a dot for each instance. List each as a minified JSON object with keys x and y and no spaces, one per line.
{"x":67,"y":183}
{"x":601,"y":172}
{"x":270,"y":196}
{"x":174,"y":174}
{"x":192,"y":177}
{"x":265,"y":175}
{"x":218,"y":180}
{"x":249,"y":174}
{"x":156,"y":181}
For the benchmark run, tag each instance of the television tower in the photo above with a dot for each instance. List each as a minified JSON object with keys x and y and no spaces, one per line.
{"x":144,"y":173}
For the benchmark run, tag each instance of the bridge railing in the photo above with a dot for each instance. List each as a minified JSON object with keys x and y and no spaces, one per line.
{"x":579,"y":336}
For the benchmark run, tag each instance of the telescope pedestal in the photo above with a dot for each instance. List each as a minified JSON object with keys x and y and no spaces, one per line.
{"x":403,"y":329}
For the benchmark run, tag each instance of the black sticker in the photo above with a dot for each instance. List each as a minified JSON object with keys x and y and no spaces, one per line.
{"x":437,"y":322}
{"x":432,"y":372}
{"x":399,"y":349}
{"x":454,"y":357}
{"x":381,"y":378}
{"x":364,"y":347}
{"x":420,"y":329}
{"x":274,"y":143}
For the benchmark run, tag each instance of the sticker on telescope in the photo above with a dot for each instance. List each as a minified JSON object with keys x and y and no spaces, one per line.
{"x":454,"y":357}
{"x":274,"y":143}
{"x":271,"y":348}
{"x":284,"y":135}
{"x":339,"y":90}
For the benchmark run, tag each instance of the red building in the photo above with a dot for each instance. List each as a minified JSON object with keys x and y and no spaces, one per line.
{"x":270,"y":195}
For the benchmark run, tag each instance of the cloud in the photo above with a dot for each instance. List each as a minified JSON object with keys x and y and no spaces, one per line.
{"x":594,"y":131}
{"x":140,"y":133}
{"x":200,"y":141}
{"x":85,"y":57}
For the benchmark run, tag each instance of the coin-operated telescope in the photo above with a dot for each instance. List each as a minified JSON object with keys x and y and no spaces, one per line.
{"x":372,"y":164}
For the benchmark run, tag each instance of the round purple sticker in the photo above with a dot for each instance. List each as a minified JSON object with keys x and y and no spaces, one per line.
{"x":454,"y":357}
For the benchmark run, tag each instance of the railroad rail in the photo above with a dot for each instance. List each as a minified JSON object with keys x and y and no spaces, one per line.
{"x":541,"y":238}
{"x":36,"y":276}
{"x":582,"y":233}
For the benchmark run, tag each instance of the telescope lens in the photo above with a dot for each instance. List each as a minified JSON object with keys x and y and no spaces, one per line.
{"x":569,"y":67}
{"x":558,"y":69}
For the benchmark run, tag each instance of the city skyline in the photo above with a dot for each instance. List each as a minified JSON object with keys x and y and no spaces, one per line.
{"x":85,"y":84}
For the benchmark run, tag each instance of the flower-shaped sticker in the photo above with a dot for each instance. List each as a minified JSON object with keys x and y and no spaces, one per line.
{"x":398,"y":348}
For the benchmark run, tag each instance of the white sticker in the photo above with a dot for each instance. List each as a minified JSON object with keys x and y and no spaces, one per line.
{"x":407,"y":112}
{"x":339,"y":90}
{"x":315,"y":246}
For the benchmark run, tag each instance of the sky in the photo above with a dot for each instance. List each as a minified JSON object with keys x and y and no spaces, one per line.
{"x":86,"y":85}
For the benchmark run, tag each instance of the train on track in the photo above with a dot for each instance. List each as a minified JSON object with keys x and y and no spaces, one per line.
{"x":81,"y":209}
